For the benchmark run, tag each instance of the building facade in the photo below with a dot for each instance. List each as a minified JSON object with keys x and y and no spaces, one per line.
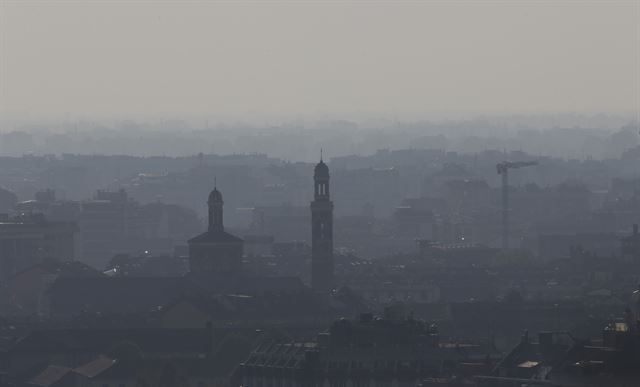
{"x":26,"y":240}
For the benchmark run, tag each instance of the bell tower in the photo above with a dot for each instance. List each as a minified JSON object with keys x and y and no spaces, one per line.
{"x":321,"y":231}
{"x":215,"y":204}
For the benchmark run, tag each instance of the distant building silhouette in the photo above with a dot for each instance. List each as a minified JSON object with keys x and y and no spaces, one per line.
{"x":8,"y":200}
{"x":216,"y":251}
{"x":29,"y":239}
{"x":321,"y":231}
{"x":631,"y":245}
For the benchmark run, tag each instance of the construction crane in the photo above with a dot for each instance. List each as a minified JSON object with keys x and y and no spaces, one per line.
{"x":503,"y":169}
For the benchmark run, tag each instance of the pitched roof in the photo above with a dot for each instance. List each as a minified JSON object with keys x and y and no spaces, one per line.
{"x":533,"y":359}
{"x":215,"y":237}
{"x":49,"y":376}
{"x":95,"y":367}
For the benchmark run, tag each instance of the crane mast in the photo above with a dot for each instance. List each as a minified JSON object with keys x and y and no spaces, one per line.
{"x":503,"y":170}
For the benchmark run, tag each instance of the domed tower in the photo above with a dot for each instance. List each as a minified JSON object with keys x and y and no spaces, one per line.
{"x":321,"y":231}
{"x":216,"y":251}
{"x":215,"y":203}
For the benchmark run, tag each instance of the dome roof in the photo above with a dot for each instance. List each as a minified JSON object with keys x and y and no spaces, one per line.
{"x":215,"y":196}
{"x":321,"y":170}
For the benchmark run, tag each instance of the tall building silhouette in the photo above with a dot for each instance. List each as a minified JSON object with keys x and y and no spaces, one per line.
{"x":321,"y":231}
{"x":215,"y":250}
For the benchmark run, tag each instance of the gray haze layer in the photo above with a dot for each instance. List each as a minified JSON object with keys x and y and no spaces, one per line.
{"x":271,"y":60}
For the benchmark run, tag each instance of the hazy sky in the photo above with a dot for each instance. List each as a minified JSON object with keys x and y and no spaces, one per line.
{"x":194,"y":58}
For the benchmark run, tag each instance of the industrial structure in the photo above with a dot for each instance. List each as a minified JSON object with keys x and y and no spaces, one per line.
{"x":503,"y":170}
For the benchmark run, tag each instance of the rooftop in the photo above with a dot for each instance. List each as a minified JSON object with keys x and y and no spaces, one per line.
{"x":212,"y":236}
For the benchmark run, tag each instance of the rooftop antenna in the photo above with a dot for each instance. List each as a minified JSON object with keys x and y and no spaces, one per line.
{"x":215,"y":182}
{"x":320,"y":154}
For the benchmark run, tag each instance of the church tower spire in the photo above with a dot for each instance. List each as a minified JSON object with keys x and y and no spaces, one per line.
{"x":321,"y":231}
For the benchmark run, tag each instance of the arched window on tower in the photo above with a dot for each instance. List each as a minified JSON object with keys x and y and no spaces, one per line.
{"x":322,"y":189}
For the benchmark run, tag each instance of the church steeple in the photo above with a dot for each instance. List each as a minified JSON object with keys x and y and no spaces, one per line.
{"x":215,"y":203}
